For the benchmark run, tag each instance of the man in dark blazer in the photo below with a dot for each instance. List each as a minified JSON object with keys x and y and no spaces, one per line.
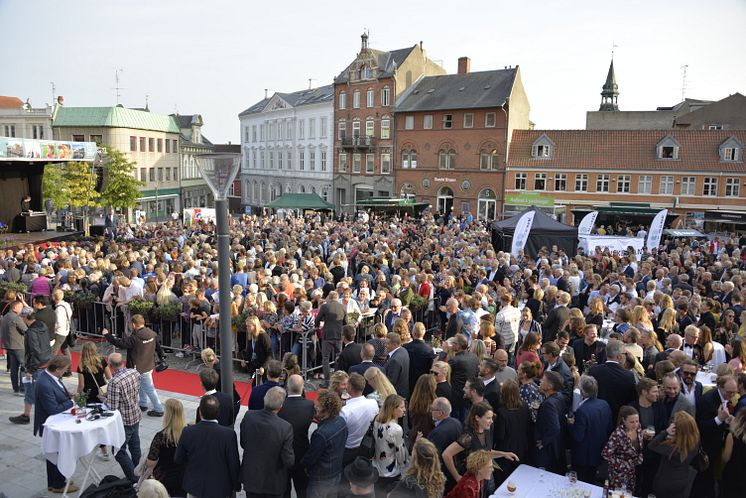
{"x":267,"y":441}
{"x":256,"y":398}
{"x":588,"y":348}
{"x":556,"y":317}
{"x":713,"y":418}
{"x":299,"y":412}
{"x":553,"y":362}
{"x":368,"y":353}
{"x":691,"y":389}
{"x":616,"y":385}
{"x":447,"y":429}
{"x":350,"y":355}
{"x":454,"y":324}
{"x":550,"y":424}
{"x":673,"y":343}
{"x":209,"y":454}
{"x":421,"y":355}
{"x":209,"y":380}
{"x":487,"y":369}
{"x":397,"y":365}
{"x":464,"y":366}
{"x":50,"y":398}
{"x":590,"y":430}
{"x":333,"y":314}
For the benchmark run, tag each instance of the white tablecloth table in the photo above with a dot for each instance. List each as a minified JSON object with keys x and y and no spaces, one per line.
{"x":65,"y":442}
{"x":707,"y":379}
{"x":530,"y":484}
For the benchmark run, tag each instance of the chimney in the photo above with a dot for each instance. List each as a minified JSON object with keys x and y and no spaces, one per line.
{"x":464,"y":64}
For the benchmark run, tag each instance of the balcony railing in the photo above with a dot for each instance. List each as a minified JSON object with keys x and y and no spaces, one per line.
{"x":358,"y":142}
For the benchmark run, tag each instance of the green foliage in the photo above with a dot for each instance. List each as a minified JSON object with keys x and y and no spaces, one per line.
{"x":80,"y":184}
{"x":53,"y":185}
{"x":418,"y":302}
{"x":166,"y":312}
{"x":18,"y":287}
{"x":122,"y":189}
{"x":140,"y":307}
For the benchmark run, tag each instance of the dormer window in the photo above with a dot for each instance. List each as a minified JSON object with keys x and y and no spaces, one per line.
{"x":542,"y":148}
{"x":668,"y":148}
{"x":731,"y":150}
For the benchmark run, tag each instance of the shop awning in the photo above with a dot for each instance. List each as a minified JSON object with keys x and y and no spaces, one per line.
{"x":300,"y":201}
{"x":683,"y":233}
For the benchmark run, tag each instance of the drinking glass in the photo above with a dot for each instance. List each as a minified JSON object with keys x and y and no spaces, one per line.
{"x":511,"y":487}
{"x":541,"y":474}
{"x":572,"y":477}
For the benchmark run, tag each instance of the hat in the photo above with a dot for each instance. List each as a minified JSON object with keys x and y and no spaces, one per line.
{"x":361,"y":472}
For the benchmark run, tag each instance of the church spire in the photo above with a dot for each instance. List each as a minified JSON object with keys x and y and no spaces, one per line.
{"x":610,"y":91}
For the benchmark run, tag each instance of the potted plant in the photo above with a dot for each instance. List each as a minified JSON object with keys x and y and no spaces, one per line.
{"x":140,"y":307}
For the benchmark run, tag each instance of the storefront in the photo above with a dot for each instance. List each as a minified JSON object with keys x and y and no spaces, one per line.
{"x":725,"y":221}
{"x":517,"y":203}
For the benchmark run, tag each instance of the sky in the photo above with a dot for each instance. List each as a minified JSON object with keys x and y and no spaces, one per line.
{"x":215,"y":58}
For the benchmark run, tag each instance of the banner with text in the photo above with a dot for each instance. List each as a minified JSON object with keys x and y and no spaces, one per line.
{"x":522,"y":229}
{"x":586,"y":225}
{"x":26,"y":149}
{"x":615,"y":245}
{"x":656,"y":230}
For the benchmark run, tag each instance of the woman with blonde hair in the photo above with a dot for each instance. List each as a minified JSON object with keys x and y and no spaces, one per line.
{"x":478,"y":472}
{"x":595,"y":313}
{"x":93,"y":375}
{"x":150,"y":488}
{"x":668,"y":323}
{"x":641,"y":319}
{"x":381,"y":385}
{"x":479,"y":349}
{"x":679,"y":444}
{"x":391,"y":455}
{"x":258,"y":346}
{"x":420,"y":418}
{"x":378,"y":341}
{"x":442,"y":373}
{"x":486,"y":334}
{"x":424,"y":476}
{"x":400,"y":327}
{"x":163,"y":449}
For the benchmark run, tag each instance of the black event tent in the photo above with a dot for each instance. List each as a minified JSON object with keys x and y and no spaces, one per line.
{"x":545,"y":231}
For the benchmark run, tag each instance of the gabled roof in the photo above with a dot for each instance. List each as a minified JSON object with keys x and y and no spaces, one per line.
{"x":184,"y":121}
{"x":730,"y":110}
{"x":459,"y":91}
{"x":113,"y":117}
{"x":625,"y":150}
{"x":303,"y":97}
{"x":386,"y":62}
{"x":10,"y":102}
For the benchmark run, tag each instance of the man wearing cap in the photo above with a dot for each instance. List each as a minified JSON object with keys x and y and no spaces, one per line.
{"x":362,"y":477}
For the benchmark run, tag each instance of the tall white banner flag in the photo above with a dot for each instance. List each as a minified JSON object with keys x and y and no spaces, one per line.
{"x":522,"y":229}
{"x":586,"y":225}
{"x":656,"y":230}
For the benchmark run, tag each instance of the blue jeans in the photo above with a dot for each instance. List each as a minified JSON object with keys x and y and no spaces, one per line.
{"x":147,"y":390}
{"x":15,"y":360}
{"x":28,"y":396}
{"x":131,"y":442}
{"x":322,"y":488}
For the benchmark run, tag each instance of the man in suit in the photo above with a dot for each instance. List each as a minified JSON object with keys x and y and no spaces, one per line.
{"x":713,"y":418}
{"x":12,"y":328}
{"x":487,"y":369}
{"x":590,"y":430}
{"x":464,"y":366}
{"x":397,"y":365}
{"x":264,"y":473}
{"x":673,"y":400}
{"x":550,"y":351}
{"x":50,"y":398}
{"x":209,"y":453}
{"x":550,"y":424}
{"x":274,"y":371}
{"x":110,"y":224}
{"x":421,"y":355}
{"x":588,"y":348}
{"x":299,"y":412}
{"x":368,"y":353}
{"x":556,"y":317}
{"x":208,"y":377}
{"x":447,"y":429}
{"x":122,"y":394}
{"x":333,"y":314}
{"x":673,"y":343}
{"x":691,"y":389}
{"x":616,"y":385}
{"x":350,"y":355}
{"x":650,"y":406}
{"x":455,"y":324}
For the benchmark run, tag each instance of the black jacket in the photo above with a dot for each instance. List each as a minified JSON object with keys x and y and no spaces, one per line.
{"x":397,"y":371}
{"x":267,"y":441}
{"x":209,"y":454}
{"x":299,"y":412}
{"x":349,"y":356}
{"x":36,"y":345}
{"x":616,"y":385}
{"x":420,"y":360}
{"x":226,"y":418}
{"x":492,"y":394}
{"x":445,"y":433}
{"x":333,"y":314}
{"x":554,"y":322}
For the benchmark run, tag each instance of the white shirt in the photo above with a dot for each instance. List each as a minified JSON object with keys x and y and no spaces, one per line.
{"x":358,"y":412}
{"x":689,"y":394}
{"x":507,"y":321}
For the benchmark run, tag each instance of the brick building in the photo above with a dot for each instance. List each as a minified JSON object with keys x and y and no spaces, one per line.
{"x":364,"y":97}
{"x":632,"y":173}
{"x":452,"y":138}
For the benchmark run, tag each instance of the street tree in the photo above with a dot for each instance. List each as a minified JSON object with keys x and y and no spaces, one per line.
{"x":53,"y":185}
{"x":122,"y":188}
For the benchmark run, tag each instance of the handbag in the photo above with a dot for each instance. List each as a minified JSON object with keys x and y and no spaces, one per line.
{"x":102,"y":389}
{"x":701,"y":461}
{"x":368,"y":443}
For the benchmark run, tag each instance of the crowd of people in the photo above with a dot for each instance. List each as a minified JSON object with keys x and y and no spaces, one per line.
{"x":478,"y":360}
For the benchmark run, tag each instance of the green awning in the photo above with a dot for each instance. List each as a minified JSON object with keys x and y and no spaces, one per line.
{"x":628,"y":210}
{"x":300,"y":201}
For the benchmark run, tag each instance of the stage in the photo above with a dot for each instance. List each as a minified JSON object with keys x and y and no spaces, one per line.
{"x":17,"y":240}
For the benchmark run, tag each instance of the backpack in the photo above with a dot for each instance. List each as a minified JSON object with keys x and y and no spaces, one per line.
{"x":110,"y":487}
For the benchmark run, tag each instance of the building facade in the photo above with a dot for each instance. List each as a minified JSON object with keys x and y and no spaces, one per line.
{"x":365,"y":94}
{"x":150,"y":140}
{"x":287,"y":146}
{"x":452,"y":139}
{"x":194,"y":190}
{"x":689,"y":172}
{"x":20,"y":119}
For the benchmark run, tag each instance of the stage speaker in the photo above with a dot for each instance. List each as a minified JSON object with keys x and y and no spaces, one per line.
{"x":79,"y":225}
{"x":96,"y":230}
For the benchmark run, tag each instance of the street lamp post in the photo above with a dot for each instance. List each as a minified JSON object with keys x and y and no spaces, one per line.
{"x":219,"y":171}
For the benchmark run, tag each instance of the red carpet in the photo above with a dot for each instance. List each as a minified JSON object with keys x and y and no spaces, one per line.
{"x":188,"y":383}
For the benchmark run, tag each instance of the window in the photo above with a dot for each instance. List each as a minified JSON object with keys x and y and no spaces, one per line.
{"x":370,"y":127}
{"x":405,"y":159}
{"x":10,"y":131}
{"x":81,"y":138}
{"x":447,"y":159}
{"x":341,"y":130}
{"x":342,"y":100}
{"x":356,"y":163}
{"x":521,"y":179}
{"x":486,"y":205}
{"x":666,"y":185}
{"x":261,"y":133}
{"x":254,"y":159}
{"x":408,"y":159}
{"x":413,"y":159}
{"x":151,"y":145}
{"x":448,"y":121}
{"x":732,"y":187}
{"x":688,"y":185}
{"x":542,"y":151}
{"x":645,"y":184}
{"x":312,"y":160}
{"x":710,"y":186}
{"x":168,"y":174}
{"x":369,"y":98}
{"x":714,"y":127}
{"x":623,"y":184}
{"x":385,"y":96}
{"x":253,"y":133}
{"x":385,"y":164}
{"x":301,"y":128}
{"x":312,"y":128}
{"x":343,"y":163}
{"x":581,"y":183}
{"x":160,"y":145}
{"x":302,"y":161}
{"x":560,"y":182}
{"x":98,"y":139}
{"x":38,"y":132}
{"x":356,"y":129}
{"x":488,"y":159}
{"x":668,"y":148}
{"x":602,"y":183}
{"x":356,"y":99}
{"x":409,"y":122}
{"x":143,"y":174}
{"x":133,"y":142}
{"x":173,"y":146}
{"x":540,"y":181}
{"x":142,"y":145}
{"x":176,"y":174}
{"x":427,"y":122}
{"x":730,"y":154}
{"x":385,"y":129}
{"x":289,"y":159}
{"x":323,"y":160}
{"x":489,"y":120}
{"x":370,"y":167}
{"x":151,"y":174}
{"x":160,"y":174}
{"x":468,"y":120}
{"x":667,"y":152}
{"x":168,"y":146}
{"x":324,"y":124}
{"x":271,"y":160}
{"x":289,"y":130}
{"x":279,"y":160}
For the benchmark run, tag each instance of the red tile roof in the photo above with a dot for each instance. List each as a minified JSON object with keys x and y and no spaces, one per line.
{"x":10,"y":102}
{"x":626,"y":150}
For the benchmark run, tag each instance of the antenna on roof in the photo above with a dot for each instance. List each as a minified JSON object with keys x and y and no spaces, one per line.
{"x":613,"y":46}
{"x":54,"y":97}
{"x":266,"y":91}
{"x":117,"y":87}
{"x":146,"y":102}
{"x":310,"y":82}
{"x":683,"y":81}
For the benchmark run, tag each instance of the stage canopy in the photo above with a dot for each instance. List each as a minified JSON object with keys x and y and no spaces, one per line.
{"x":301,"y":201}
{"x":545,"y":232}
{"x":48,"y":151}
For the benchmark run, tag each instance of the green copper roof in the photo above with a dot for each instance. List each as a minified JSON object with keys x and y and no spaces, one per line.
{"x":114,"y":117}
